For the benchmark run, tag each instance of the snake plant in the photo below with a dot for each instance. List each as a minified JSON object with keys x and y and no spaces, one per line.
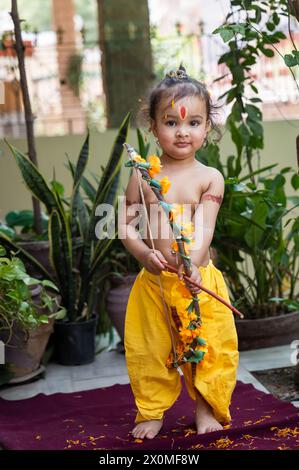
{"x":75,"y":253}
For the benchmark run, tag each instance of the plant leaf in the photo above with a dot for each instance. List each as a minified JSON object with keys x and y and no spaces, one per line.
{"x":33,"y":179}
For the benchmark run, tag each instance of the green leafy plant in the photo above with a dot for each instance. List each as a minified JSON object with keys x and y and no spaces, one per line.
{"x":259,"y":30}
{"x":16,"y":301}
{"x":23,"y":220}
{"x":122,"y":262}
{"x":4,"y":228}
{"x":76,"y":254}
{"x":257,"y":232}
{"x":257,"y":238}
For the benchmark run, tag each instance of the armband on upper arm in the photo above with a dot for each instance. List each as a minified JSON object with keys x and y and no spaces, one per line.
{"x":213,"y":198}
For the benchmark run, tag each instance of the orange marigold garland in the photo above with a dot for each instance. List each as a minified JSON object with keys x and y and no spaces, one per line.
{"x":191,"y":347}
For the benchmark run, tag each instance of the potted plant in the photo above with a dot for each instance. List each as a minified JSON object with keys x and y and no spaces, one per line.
{"x":258,"y":248}
{"x":71,"y":231}
{"x":27,"y":312}
{"x":19,"y":225}
{"x":257,"y":243}
{"x":123,"y":269}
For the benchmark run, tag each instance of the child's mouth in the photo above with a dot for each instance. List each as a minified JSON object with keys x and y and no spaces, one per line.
{"x":181,"y":144}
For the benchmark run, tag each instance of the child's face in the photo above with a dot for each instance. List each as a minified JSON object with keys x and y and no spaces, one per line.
{"x":181,"y":126}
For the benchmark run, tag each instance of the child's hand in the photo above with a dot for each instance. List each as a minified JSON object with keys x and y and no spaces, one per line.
{"x":152,"y":262}
{"x":195,"y":276}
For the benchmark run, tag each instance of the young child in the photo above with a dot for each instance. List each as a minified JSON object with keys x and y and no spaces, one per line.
{"x":180,"y":116}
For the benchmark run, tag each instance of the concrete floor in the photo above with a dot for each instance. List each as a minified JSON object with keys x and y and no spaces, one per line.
{"x":109,"y":368}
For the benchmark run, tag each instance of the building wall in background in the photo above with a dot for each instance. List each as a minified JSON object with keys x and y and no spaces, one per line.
{"x":280,"y":147}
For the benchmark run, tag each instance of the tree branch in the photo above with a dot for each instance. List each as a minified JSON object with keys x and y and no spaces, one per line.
{"x":29,"y":118}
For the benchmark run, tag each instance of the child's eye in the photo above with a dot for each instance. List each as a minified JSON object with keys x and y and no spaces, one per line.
{"x":195,"y":123}
{"x":170,"y":123}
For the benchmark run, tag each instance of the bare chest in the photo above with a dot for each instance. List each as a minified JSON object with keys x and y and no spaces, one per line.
{"x":185,"y":189}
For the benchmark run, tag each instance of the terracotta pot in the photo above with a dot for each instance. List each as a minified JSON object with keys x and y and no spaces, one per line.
{"x":116,"y":301}
{"x":39,"y":249}
{"x":268,"y":332}
{"x":25,"y":350}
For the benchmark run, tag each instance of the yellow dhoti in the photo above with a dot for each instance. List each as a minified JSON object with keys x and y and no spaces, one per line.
{"x":148,"y":345}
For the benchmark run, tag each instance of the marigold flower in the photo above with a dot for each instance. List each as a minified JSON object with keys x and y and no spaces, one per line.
{"x":194,"y":333}
{"x":197,"y":331}
{"x":187,"y":229}
{"x":185,"y":293}
{"x":168,"y":362}
{"x":174,"y":246}
{"x":185,"y":319}
{"x":192,"y":316}
{"x":202,"y":349}
{"x":165,"y":184}
{"x":177,"y":211}
{"x":186,"y":335}
{"x":180,"y":348}
{"x":139,"y":159}
{"x":155,"y":165}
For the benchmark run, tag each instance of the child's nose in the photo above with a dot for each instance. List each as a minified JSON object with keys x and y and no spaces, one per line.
{"x":182,"y":132}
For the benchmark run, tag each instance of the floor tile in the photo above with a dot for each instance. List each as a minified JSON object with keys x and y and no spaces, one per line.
{"x":109,"y":368}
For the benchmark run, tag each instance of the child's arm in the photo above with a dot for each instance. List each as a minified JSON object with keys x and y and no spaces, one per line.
{"x":127,"y":233}
{"x":210,"y":203}
{"x":130,"y":238}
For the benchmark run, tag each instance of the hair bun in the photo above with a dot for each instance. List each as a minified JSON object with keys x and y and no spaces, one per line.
{"x":180,"y":74}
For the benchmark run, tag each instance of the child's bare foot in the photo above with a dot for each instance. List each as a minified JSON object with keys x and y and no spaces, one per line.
{"x":148,"y":429}
{"x":204,"y":418}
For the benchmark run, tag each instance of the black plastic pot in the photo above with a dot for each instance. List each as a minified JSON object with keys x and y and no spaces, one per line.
{"x":75,"y":342}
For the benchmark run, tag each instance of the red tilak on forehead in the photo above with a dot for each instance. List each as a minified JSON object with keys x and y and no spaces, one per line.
{"x":183,"y":112}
